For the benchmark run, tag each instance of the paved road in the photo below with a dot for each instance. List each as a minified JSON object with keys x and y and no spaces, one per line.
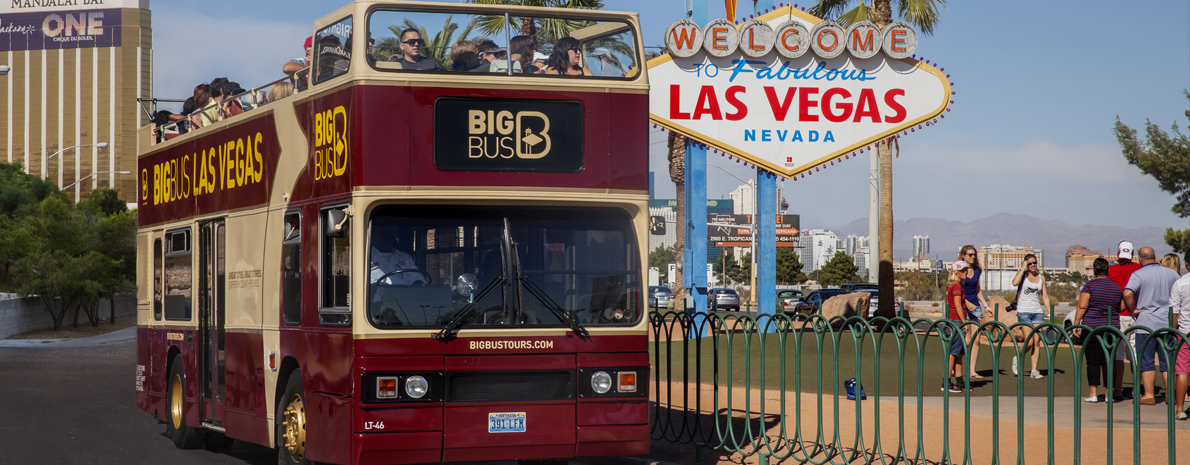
{"x":74,"y":402}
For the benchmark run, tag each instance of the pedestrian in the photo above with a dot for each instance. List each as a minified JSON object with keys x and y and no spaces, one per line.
{"x":974,"y":294}
{"x":1171,"y":261}
{"x":1150,"y":288}
{"x":956,"y":300}
{"x":1098,"y":306}
{"x":1180,"y":299}
{"x":1120,"y":273}
{"x":1031,"y":302}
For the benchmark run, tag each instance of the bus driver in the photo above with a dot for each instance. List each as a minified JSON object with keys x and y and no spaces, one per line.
{"x":386,"y":259}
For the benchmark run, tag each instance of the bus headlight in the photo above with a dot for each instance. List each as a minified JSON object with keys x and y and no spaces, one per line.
{"x":416,"y":386}
{"x":601,"y":382}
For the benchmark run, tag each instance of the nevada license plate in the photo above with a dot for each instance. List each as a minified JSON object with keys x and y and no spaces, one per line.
{"x":506,"y":422}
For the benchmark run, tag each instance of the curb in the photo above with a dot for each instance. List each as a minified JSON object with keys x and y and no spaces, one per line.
{"x":122,"y":335}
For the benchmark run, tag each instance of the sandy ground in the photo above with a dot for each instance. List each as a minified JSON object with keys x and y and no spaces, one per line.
{"x":884,"y":436}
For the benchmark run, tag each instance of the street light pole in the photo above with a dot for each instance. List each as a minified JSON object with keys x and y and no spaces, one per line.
{"x":84,"y":178}
{"x":101,"y":145}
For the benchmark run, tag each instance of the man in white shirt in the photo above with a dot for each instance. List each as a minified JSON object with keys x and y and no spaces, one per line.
{"x":386,"y":258}
{"x":1180,"y":300}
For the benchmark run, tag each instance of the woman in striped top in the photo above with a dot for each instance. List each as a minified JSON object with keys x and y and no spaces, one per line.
{"x":1098,"y":305}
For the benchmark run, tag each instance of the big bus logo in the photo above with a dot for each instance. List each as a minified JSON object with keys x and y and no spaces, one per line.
{"x":504,"y":134}
{"x":330,"y":143}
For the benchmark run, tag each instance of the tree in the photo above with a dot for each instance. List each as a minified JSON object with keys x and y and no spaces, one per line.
{"x":1165,"y":157}
{"x":548,"y":27}
{"x":923,"y":14}
{"x":677,"y":174}
{"x":660,"y":258}
{"x":740,"y":271}
{"x":918,"y":285}
{"x":103,"y":202}
{"x":789,"y":268}
{"x":840,"y":269}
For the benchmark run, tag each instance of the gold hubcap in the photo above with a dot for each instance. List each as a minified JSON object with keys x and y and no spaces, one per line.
{"x":295,"y":428}
{"x":175,"y":402}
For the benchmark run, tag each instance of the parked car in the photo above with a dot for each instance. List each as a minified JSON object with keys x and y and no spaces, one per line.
{"x":659,"y":296}
{"x":814,"y":300}
{"x":852,"y":287}
{"x":722,"y":297}
{"x":788,"y":299}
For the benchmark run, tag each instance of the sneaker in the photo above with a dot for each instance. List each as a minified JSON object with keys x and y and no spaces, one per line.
{"x":1014,"y":366}
{"x":1036,"y":374}
{"x":1091,"y":400}
{"x":955,"y":388}
{"x":1181,"y":416}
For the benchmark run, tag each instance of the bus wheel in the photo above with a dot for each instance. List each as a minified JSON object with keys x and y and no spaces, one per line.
{"x":184,"y":436}
{"x":291,"y":423}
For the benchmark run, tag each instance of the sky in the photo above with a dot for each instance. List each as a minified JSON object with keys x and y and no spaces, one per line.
{"x":1039,"y":86}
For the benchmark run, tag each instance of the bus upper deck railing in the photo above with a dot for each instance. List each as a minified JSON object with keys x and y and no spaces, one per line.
{"x":776,"y":387}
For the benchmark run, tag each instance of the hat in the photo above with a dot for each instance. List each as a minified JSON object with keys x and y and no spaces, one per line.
{"x":232,"y":88}
{"x":1126,"y":250}
{"x":309,"y":42}
{"x":959,"y":266}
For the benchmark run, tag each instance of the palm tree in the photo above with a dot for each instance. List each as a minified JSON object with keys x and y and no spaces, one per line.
{"x":924,"y":15}
{"x":437,"y":47}
{"x":677,"y":174}
{"x":548,"y":27}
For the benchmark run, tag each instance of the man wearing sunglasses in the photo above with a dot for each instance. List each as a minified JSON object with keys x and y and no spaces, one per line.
{"x":411,"y":57}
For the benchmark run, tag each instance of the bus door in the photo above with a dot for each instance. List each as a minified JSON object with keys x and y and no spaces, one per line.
{"x":211,"y":318}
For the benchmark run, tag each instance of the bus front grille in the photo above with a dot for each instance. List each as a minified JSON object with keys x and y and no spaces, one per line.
{"x":510,"y":386}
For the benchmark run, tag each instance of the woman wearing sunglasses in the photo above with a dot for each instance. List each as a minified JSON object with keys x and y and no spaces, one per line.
{"x":565,"y":59}
{"x":1031,"y":302}
{"x":974,"y":294}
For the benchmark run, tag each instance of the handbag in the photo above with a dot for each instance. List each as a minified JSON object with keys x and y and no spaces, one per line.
{"x":1012,"y":306}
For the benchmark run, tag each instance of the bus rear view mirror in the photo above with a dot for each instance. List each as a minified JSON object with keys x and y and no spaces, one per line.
{"x":336,"y":219}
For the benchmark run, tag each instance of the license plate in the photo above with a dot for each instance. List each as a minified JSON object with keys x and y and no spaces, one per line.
{"x":506,"y":422}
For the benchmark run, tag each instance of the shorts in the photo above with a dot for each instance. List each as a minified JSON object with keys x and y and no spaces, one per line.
{"x":1031,"y":318}
{"x":1125,"y":323}
{"x":975,"y":315}
{"x":957,"y":348}
{"x":1149,"y":348}
{"x":1182,"y":366}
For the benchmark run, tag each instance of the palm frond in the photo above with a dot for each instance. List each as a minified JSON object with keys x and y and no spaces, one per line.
{"x":827,"y":9}
{"x":861,"y":12}
{"x":921,"y":13}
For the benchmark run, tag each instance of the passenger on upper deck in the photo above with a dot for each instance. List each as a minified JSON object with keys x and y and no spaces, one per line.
{"x":495,"y":59}
{"x":411,"y":57}
{"x":201,"y":98}
{"x":565,"y":59}
{"x":298,"y":64}
{"x":522,"y":49}
{"x":464,"y":56}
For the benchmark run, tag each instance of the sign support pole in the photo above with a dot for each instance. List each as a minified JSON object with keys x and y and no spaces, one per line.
{"x":766,"y":241}
{"x":694,"y":256}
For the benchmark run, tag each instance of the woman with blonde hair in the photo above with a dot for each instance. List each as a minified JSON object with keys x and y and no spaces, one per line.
{"x":974,"y":294}
{"x":1172,"y":262}
{"x":957,"y":303}
{"x":280,"y":90}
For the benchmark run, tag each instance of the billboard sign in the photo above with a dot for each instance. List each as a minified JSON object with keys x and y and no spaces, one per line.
{"x":790,"y":92}
{"x":60,"y":30}
{"x":726,"y":236}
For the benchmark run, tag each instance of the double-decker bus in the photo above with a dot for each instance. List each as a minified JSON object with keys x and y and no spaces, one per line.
{"x":404,"y":262}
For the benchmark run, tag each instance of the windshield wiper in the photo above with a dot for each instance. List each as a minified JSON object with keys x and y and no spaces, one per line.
{"x":565,"y":316}
{"x":451,"y":327}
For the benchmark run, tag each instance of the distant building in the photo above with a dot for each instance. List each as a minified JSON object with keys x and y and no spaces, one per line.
{"x":1001,"y":262}
{"x":744,"y":198}
{"x":1080,"y":259}
{"x":816,"y":247}
{"x":861,"y":257}
{"x":854,"y":243}
{"x":921,"y":248}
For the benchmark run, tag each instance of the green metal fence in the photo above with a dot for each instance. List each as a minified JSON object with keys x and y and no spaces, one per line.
{"x":774,"y":387}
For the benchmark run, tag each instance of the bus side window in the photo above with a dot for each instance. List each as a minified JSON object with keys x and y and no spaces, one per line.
{"x":157,"y":279}
{"x":335,"y":304}
{"x":291,"y":269}
{"x":177,"y":275}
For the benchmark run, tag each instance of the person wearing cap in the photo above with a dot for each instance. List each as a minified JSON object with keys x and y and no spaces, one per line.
{"x":411,"y":57}
{"x":956,"y":301}
{"x":298,"y":64}
{"x":494,"y":58}
{"x":1120,"y":273}
{"x":1147,"y":297}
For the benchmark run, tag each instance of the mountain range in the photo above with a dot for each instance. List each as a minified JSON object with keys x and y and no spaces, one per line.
{"x":1054,"y":237}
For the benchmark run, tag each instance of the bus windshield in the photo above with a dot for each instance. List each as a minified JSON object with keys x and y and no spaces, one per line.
{"x":427,"y":263}
{"x":558,"y":46}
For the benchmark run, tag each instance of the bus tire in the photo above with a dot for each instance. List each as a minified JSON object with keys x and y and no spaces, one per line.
{"x":184,"y":436}
{"x":291,"y":423}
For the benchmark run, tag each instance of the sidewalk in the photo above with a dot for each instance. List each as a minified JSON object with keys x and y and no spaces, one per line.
{"x":106,"y":338}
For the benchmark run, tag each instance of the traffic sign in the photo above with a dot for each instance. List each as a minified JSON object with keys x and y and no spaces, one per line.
{"x":657,"y":225}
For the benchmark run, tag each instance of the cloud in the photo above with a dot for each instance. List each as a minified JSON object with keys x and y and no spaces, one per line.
{"x":193,"y":48}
